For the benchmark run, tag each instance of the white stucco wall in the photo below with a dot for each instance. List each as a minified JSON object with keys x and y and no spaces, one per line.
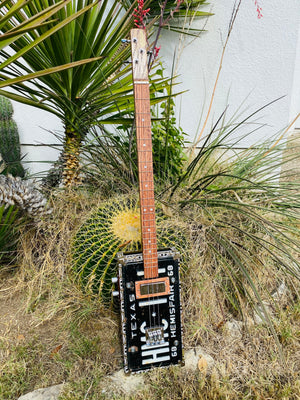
{"x":35,"y":127}
{"x":295,"y":99}
{"x":261,"y":61}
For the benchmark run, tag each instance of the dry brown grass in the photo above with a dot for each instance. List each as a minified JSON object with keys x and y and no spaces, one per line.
{"x":51,"y":332}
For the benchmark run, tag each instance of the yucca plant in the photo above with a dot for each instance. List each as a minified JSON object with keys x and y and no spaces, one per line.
{"x":98,"y":90}
{"x":16,"y":23}
{"x":85,"y":31}
{"x":114,"y":227}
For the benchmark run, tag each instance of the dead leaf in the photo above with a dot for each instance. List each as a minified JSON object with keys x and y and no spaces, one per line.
{"x":55,"y":350}
{"x":202,"y":365}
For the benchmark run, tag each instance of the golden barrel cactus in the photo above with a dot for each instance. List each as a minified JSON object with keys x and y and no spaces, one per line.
{"x":113,"y":227}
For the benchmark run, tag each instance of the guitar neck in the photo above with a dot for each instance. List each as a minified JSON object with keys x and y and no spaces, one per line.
{"x":144,"y":151}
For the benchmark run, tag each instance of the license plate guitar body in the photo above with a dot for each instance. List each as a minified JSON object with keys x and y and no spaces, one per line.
{"x":150,"y":312}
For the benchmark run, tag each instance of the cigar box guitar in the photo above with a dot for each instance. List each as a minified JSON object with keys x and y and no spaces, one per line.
{"x":149,"y":286}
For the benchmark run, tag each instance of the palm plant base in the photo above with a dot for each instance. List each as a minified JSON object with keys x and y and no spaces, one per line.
{"x":71,"y":170}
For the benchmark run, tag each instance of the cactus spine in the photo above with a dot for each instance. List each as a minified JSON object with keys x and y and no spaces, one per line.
{"x":9,"y":141}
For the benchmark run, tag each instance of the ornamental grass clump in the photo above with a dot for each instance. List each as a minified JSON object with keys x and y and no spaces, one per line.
{"x":249,"y":220}
{"x":10,"y":223}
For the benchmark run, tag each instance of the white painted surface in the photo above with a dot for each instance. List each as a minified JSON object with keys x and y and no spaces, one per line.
{"x":295,"y":101}
{"x":36,"y":128}
{"x":261,"y":61}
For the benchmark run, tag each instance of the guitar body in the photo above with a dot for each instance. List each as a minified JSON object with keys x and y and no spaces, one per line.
{"x":150,"y":312}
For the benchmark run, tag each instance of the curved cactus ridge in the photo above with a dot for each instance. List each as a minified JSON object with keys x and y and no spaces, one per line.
{"x":113,"y":227}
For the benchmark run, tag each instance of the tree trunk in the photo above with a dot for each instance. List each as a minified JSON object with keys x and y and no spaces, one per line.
{"x":71,"y":168}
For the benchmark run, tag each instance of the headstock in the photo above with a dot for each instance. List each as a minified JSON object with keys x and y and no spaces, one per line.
{"x":139,"y":54}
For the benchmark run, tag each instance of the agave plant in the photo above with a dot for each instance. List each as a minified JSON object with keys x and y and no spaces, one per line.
{"x":24,"y":195}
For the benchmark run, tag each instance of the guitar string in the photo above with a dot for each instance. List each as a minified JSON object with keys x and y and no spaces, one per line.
{"x":154,"y":312}
{"x":145,"y":223}
{"x":140,"y":89}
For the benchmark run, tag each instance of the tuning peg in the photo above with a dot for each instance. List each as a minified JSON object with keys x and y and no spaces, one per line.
{"x":114,"y":279}
{"x":115,"y":293}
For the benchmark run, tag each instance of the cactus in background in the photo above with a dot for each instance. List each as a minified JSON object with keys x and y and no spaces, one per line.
{"x":23,"y":194}
{"x":9,"y":141}
{"x":114,"y":227}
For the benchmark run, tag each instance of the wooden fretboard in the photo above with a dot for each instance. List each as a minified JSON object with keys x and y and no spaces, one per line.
{"x":144,"y":151}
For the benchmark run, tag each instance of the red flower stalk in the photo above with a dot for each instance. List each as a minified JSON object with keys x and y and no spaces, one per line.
{"x":140,"y":15}
{"x":156,"y":51}
{"x":258,"y":9}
